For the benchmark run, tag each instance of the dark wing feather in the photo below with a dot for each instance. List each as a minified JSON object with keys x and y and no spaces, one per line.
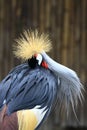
{"x":40,"y":89}
{"x":10,"y":82}
{"x":28,"y":88}
{"x":4,"y":88}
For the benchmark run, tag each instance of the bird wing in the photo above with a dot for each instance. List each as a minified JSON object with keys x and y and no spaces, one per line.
{"x":28,"y":88}
{"x":8,"y":83}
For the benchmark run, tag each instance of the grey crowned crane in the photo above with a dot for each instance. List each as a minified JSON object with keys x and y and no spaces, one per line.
{"x":30,"y":91}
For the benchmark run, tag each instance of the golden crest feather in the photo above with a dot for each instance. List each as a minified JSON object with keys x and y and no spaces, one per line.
{"x":30,"y":43}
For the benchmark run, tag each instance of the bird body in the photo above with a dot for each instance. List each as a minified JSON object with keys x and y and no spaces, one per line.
{"x":18,"y":93}
{"x":30,"y":91}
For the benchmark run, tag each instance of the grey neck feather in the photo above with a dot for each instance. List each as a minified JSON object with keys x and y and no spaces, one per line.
{"x":71,"y":87}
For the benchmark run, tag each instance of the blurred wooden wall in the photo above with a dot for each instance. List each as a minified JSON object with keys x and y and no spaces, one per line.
{"x":66,"y":22}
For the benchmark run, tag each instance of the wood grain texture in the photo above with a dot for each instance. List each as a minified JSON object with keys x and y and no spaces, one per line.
{"x":66,"y":22}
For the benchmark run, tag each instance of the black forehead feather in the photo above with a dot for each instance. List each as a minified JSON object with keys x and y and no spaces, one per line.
{"x":32,"y":62}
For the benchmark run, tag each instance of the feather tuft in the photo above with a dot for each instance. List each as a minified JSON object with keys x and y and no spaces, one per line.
{"x":31,"y":43}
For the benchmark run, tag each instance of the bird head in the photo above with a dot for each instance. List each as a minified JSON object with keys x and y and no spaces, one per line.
{"x":37,"y":60}
{"x":30,"y":47}
{"x":34,"y":61}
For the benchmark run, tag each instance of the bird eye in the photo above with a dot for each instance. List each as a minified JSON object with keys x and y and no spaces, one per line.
{"x":39,"y":58}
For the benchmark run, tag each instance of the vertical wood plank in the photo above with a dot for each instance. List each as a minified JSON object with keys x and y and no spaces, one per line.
{"x":65,"y":31}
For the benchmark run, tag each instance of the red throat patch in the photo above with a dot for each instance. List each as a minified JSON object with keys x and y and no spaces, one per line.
{"x":44,"y":64}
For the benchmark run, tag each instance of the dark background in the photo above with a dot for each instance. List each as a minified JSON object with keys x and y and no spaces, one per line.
{"x":66,"y":22}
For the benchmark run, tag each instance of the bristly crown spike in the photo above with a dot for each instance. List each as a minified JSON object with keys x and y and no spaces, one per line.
{"x":30,"y":43}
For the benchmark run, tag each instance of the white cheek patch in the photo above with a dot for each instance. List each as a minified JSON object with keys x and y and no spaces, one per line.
{"x":39,"y":58}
